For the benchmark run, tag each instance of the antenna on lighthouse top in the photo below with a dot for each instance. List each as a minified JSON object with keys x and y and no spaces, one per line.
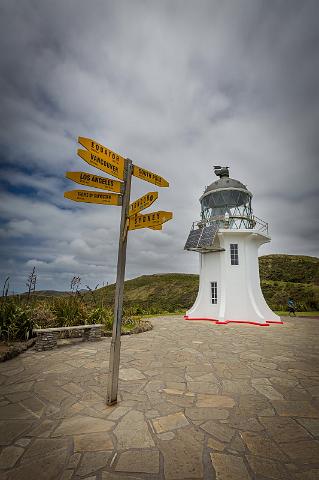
{"x":221,"y":171}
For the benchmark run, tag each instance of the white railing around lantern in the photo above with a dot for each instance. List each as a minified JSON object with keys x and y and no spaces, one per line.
{"x":234,"y":222}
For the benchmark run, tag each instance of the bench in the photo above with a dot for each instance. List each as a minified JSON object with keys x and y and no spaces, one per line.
{"x":47,"y":337}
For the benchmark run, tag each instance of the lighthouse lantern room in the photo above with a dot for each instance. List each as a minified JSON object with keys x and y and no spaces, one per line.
{"x":227,"y":238}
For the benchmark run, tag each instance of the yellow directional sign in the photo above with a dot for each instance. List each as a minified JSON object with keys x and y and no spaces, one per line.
{"x":89,"y":196}
{"x":149,"y":176}
{"x":100,"y":161}
{"x":91,"y":180}
{"x":143,"y":202}
{"x":103,"y":152}
{"x":153,"y":219}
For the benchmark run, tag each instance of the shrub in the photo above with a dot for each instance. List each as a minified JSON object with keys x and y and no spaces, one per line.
{"x":129,"y":322}
{"x":101,"y":315}
{"x":15,"y":320}
{"x":69,"y":311}
{"x":43,"y":317}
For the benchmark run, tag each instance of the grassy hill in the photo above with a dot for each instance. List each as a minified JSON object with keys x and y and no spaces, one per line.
{"x":45,"y":294}
{"x":295,"y":276}
{"x":281,"y":276}
{"x":289,"y":268}
{"x":169,"y":292}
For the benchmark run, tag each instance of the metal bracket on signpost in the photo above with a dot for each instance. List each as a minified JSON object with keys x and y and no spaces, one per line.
{"x":114,"y":364}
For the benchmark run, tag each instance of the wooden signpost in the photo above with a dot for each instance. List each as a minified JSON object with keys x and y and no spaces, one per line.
{"x":104,"y":159}
{"x":154,"y":219}
{"x":91,"y":196}
{"x":142,"y":203}
{"x":96,"y":181}
{"x":103,"y":163}
{"x":103,"y":152}
{"x":149,"y":176}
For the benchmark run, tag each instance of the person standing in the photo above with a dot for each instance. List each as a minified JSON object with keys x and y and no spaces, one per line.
{"x":291,"y":307}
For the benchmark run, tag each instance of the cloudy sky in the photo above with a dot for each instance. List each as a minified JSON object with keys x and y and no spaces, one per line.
{"x":177,"y":86}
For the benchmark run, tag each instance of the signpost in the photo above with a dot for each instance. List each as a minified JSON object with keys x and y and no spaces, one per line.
{"x":103,"y":152}
{"x":153,"y":219}
{"x":91,"y":196}
{"x":114,"y":364}
{"x":149,"y":176}
{"x":103,"y":163}
{"x":104,"y":159}
{"x":91,"y":180}
{"x":143,"y":202}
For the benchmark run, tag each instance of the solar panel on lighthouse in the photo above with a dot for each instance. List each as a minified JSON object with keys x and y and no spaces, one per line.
{"x":193,"y":239}
{"x":201,"y":237}
{"x":208,"y":235}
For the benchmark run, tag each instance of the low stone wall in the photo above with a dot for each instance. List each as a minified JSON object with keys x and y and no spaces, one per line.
{"x":16,"y":349}
{"x":143,"y":326}
{"x":47,"y":340}
{"x":92,"y":335}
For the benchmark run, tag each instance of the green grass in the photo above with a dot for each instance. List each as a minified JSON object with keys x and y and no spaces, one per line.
{"x":305,"y":295}
{"x":153,"y":294}
{"x":290,"y":268}
{"x":299,"y":314}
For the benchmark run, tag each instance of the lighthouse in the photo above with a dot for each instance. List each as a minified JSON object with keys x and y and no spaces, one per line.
{"x":227,"y":238}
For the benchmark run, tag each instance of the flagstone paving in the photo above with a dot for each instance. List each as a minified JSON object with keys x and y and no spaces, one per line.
{"x":196,"y":401}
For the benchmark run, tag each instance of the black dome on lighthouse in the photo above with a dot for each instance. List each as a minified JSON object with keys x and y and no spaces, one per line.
{"x":225,"y":183}
{"x":225,"y":192}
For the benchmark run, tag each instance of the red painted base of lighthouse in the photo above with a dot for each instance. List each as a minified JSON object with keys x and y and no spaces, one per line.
{"x":217,"y":322}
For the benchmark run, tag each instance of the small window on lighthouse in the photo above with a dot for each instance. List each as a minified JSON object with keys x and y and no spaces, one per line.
{"x":234,"y":254}
{"x":214,"y":291}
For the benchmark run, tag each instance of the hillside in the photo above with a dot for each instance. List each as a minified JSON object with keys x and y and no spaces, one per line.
{"x":43,"y":294}
{"x":289,"y":268}
{"x":295,"y":276}
{"x":153,"y":293}
{"x":281,"y":276}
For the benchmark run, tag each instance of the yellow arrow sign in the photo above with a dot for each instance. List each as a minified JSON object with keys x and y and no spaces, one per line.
{"x":103,"y":152}
{"x":154,"y":219}
{"x":158,"y":227}
{"x":143,"y":202}
{"x":101,"y":162}
{"x":91,"y":180}
{"x":89,"y":196}
{"x":149,"y":176}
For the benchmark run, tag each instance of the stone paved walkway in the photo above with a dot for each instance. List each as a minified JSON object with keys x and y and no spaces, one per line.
{"x":197,"y":401}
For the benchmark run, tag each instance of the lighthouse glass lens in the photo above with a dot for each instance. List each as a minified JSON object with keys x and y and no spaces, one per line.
{"x":226,"y":198}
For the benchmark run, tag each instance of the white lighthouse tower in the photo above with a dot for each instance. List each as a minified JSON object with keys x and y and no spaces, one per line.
{"x":227,"y":238}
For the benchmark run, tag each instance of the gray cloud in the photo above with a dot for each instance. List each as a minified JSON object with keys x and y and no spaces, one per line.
{"x":176,"y":86}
